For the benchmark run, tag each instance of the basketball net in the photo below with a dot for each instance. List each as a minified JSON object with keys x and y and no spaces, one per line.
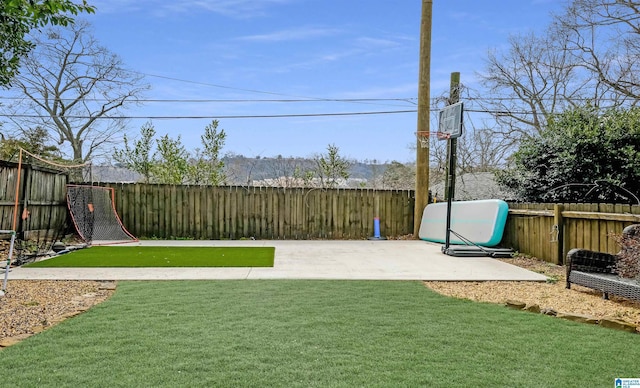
{"x":423,"y":137}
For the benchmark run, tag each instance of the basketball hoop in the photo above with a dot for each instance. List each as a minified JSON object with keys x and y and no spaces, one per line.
{"x":423,"y":137}
{"x":443,"y":135}
{"x":450,"y":121}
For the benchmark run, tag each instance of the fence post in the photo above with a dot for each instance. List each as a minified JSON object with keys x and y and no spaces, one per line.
{"x":559,"y":232}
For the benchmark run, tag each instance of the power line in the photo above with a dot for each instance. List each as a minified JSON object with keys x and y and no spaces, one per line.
{"x":498,"y":112}
{"x":219,"y":86}
{"x":433,"y":109}
{"x":219,"y":117}
{"x":309,"y":99}
{"x":266,"y":116}
{"x":305,"y":98}
{"x":409,"y":100}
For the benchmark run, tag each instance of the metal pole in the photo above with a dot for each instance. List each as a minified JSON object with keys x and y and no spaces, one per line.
{"x":9,"y":257}
{"x":451,"y":178}
{"x":450,"y":184}
{"x":454,"y":96}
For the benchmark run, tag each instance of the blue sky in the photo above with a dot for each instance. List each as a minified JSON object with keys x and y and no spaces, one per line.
{"x":306,"y":50}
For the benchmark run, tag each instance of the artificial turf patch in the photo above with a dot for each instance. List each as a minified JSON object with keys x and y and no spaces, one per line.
{"x":118,"y":256}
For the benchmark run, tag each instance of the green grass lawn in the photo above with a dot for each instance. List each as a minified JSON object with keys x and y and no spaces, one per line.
{"x":141,"y":256}
{"x":314,"y":334}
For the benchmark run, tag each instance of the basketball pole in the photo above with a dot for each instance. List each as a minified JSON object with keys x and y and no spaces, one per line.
{"x":454,"y":97}
{"x":422,"y":154}
{"x":450,"y":183}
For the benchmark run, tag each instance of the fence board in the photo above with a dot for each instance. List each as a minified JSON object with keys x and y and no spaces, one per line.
{"x":170,"y":193}
{"x":41,"y":211}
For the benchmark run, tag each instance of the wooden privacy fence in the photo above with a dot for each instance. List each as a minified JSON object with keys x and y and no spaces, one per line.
{"x":546,"y":231}
{"x":42,"y":204}
{"x":549,"y":231}
{"x":235,"y":212}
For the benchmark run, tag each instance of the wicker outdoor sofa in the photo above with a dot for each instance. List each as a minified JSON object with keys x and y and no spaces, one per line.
{"x":597,"y":270}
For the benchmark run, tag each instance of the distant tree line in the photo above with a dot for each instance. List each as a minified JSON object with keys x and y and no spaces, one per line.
{"x":166,"y":160}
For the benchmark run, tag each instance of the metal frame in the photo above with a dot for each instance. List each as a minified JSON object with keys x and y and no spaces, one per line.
{"x":455,"y":112}
{"x":9,"y":258}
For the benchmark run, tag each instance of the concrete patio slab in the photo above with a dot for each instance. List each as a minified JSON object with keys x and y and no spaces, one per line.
{"x":313,"y":259}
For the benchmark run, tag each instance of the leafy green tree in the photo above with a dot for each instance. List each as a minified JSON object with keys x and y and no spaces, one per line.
{"x":138,"y":156}
{"x":331,"y":167}
{"x":19,"y":17}
{"x":166,"y":160}
{"x":208,"y":167}
{"x":170,"y":163}
{"x":582,"y":156}
{"x":33,"y":140}
{"x":304,"y":176}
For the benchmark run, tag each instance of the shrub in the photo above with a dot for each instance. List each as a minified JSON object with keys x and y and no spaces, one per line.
{"x":628,"y":263}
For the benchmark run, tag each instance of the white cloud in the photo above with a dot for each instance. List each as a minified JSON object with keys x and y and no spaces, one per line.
{"x":300,"y":33}
{"x":376,"y":43}
{"x":399,"y":91}
{"x":232,"y":8}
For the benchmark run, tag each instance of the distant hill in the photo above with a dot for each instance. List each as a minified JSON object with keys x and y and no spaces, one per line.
{"x":114,"y":174}
{"x":270,"y":172}
{"x":242,"y":170}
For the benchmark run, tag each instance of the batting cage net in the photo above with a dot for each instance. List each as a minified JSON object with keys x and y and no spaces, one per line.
{"x":34,"y":203}
{"x":94,"y":215}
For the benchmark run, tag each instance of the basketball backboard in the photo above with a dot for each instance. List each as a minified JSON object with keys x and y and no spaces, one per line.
{"x":450,"y":122}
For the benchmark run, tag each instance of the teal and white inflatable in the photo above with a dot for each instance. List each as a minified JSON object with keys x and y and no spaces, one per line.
{"x":481,"y":222}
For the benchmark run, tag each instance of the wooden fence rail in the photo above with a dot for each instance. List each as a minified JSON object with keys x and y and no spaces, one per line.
{"x":549,"y":231}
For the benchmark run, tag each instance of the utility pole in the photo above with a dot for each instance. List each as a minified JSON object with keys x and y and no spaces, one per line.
{"x":424,"y":84}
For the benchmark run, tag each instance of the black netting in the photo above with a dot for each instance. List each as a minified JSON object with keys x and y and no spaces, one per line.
{"x":94,"y":215}
{"x":79,"y":201}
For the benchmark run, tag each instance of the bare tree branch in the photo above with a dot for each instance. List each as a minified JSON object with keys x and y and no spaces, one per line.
{"x":69,"y":83}
{"x":604,"y":38}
